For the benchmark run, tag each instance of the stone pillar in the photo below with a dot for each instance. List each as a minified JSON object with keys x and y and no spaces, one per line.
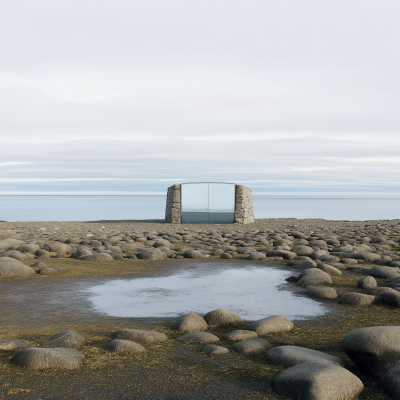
{"x":244,"y":211}
{"x":173,"y":205}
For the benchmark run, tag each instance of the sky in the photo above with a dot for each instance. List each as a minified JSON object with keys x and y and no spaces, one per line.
{"x":130,"y":97}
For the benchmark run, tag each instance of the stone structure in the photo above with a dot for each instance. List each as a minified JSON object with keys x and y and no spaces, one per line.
{"x":244,"y":211}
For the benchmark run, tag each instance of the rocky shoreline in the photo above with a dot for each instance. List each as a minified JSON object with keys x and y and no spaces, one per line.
{"x":355,"y":264}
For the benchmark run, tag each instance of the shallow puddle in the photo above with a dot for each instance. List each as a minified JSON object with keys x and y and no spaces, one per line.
{"x":252,"y":291}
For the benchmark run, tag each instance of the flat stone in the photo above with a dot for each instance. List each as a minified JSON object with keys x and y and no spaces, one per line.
{"x":124,"y":346}
{"x":212,"y":350}
{"x":317,"y":381}
{"x":140,"y":336}
{"x":288,"y":356}
{"x":252,"y":346}
{"x":53,"y":358}
{"x":204,"y":337}
{"x":272,"y":324}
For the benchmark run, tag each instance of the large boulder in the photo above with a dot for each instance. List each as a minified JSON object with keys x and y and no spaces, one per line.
{"x":239,"y":335}
{"x":152,"y":254}
{"x":190,"y":323}
{"x":13,"y":344}
{"x":68,"y":338}
{"x":12,"y":268}
{"x":5,"y":244}
{"x":28,"y":248}
{"x":124,"y":346}
{"x":163,"y":243}
{"x":82,"y":253}
{"x":256,"y":256}
{"x":98,"y":257}
{"x":317,"y":381}
{"x":288,"y":356}
{"x":314,"y":276}
{"x":212,"y":349}
{"x":358,"y":299}
{"x":321,"y":292}
{"x":203,"y":337}
{"x":272,"y":324}
{"x":36,"y":359}
{"x":391,"y":298}
{"x":61,"y":249}
{"x":193,"y":254}
{"x":140,"y":336}
{"x":128,"y":248}
{"x":390,"y":380}
{"x":222,"y":317}
{"x":252,"y":347}
{"x":373,"y":349}
{"x":367,"y":282}
{"x":329,"y":269}
{"x":302,"y":250}
{"x":366,"y":256}
{"x":285,"y":254}
{"x":383,"y":272}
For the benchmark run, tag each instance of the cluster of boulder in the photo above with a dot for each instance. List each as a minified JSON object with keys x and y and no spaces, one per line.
{"x":308,"y":374}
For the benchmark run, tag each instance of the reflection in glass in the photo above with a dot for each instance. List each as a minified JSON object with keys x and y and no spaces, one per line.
{"x":194,"y":197}
{"x":221,"y":197}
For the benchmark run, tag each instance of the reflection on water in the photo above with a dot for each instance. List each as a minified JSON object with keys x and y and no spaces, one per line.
{"x":252,"y":292}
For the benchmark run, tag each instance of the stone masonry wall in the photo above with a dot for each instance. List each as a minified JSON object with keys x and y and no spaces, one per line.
{"x":173,"y":205}
{"x":244,"y":211}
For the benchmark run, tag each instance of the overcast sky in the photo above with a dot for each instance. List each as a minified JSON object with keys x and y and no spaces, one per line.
{"x":131,"y":96}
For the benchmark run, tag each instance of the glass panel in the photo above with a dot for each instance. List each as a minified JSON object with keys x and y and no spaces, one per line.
{"x":194,"y":217}
{"x":222,"y":197}
{"x":221,"y":217}
{"x":194,"y":197}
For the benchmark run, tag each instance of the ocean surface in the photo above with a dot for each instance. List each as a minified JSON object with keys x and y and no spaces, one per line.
{"x":94,"y":208}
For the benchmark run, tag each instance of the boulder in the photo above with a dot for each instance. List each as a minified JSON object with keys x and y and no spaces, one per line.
{"x":28,"y":248}
{"x":358,"y":299}
{"x":190,"y":323}
{"x":211,"y":349}
{"x":222,"y":317}
{"x":252,"y":347}
{"x":163,"y":243}
{"x":320,"y":292}
{"x":246,"y":250}
{"x":68,"y":338}
{"x":98,"y":257}
{"x":128,"y":248}
{"x":378,"y":291}
{"x":11,"y":268}
{"x":314,"y":276}
{"x":37,"y":359}
{"x":318,"y":253}
{"x":383,"y":272}
{"x":193,"y":254}
{"x":257,"y":256}
{"x":140,"y":336}
{"x":366,"y":256}
{"x":203,"y":337}
{"x":82,"y":253}
{"x":305,"y":265}
{"x":391,"y":298}
{"x":152,"y":254}
{"x":390,"y":380}
{"x":39,"y":264}
{"x":47,"y":271}
{"x":272,"y":324}
{"x":5,"y":244}
{"x":226,"y":256}
{"x":329,"y":269}
{"x":124,"y":346}
{"x":239,"y":335}
{"x":373,"y":349}
{"x":302,"y":250}
{"x":13,"y":344}
{"x":329,"y":259}
{"x":61,"y":249}
{"x":366,"y":282}
{"x":285,"y":254}
{"x":317,"y":381}
{"x":288,"y":356}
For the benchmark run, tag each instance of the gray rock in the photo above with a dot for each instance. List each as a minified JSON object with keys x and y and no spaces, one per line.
{"x":140,"y":336}
{"x":203,"y":337}
{"x":288,"y":356}
{"x":373,"y":349}
{"x":318,"y":253}
{"x":246,"y":250}
{"x":329,"y":269}
{"x":68,"y":338}
{"x":314,"y":276}
{"x":218,"y":252}
{"x":212,"y":350}
{"x":222,"y":317}
{"x":378,"y":291}
{"x":11,"y":268}
{"x":302,"y":250}
{"x":124,"y":346}
{"x":272,"y":324}
{"x":252,"y":347}
{"x":391,"y":298}
{"x":37,"y":359}
{"x":305,"y":265}
{"x":366,"y":256}
{"x":163,"y":243}
{"x":5,"y":244}
{"x":358,"y":299}
{"x":61,"y":249}
{"x":383,"y":272}
{"x":98,"y":257}
{"x":239,"y":335}
{"x":39,"y":264}
{"x":193,"y":254}
{"x":226,"y":256}
{"x":13,"y":344}
{"x":152,"y":254}
{"x":366,"y":282}
{"x":317,"y":381}
{"x":47,"y":271}
{"x":390,"y":380}
{"x":128,"y":247}
{"x":28,"y":248}
{"x":329,"y":259}
{"x":257,"y":256}
{"x":320,"y":292}
{"x":352,"y":261}
{"x":190,"y":323}
{"x":285,"y":254}
{"x":82,"y":253}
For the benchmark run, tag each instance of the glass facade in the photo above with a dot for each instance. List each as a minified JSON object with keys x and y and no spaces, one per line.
{"x":208,"y":202}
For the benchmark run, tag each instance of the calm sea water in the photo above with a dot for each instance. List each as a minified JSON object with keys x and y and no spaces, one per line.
{"x":92,"y":208}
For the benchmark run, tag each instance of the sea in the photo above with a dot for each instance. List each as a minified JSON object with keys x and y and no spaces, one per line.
{"x":147,"y":207}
